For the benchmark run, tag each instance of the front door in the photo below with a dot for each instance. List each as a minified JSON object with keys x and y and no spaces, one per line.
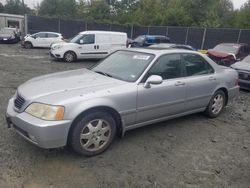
{"x":87,"y":47}
{"x":165,"y":99}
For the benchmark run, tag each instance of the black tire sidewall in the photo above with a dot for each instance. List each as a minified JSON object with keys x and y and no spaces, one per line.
{"x":209,"y":111}
{"x":74,"y":137}
{"x":28,"y":45}
{"x":73,"y":54}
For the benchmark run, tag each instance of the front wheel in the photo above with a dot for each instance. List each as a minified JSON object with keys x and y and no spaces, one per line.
{"x":28,"y":45}
{"x":216,"y":104}
{"x":93,"y":133}
{"x":69,"y":57}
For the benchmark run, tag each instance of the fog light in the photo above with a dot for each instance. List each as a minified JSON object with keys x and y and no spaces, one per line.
{"x":32,"y":137}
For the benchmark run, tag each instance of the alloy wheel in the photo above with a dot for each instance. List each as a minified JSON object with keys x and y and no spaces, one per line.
{"x":95,"y":135}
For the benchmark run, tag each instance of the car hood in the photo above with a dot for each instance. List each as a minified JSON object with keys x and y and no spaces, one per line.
{"x":242,"y":66}
{"x":82,"y":79}
{"x":5,"y":35}
{"x":218,"y":54}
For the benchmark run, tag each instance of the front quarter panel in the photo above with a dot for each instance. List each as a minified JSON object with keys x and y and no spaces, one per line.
{"x":121,"y":99}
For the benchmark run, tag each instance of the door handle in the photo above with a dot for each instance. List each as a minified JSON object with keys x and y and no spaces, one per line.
{"x":179,"y":83}
{"x":95,"y":47}
{"x":212,"y":78}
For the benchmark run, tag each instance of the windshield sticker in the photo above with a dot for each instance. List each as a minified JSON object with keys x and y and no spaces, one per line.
{"x":141,"y":57}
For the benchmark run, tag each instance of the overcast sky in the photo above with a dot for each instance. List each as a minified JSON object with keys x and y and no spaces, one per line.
{"x":32,"y":3}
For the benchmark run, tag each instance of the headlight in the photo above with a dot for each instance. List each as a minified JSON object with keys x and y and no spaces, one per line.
{"x":45,"y":111}
{"x":56,"y":47}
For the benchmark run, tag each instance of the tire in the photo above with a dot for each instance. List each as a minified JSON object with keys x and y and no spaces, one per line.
{"x":216,"y":104}
{"x":28,"y":45}
{"x":93,"y":133}
{"x":69,"y":57}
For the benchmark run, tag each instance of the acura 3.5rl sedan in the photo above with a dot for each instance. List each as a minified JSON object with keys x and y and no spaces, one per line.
{"x":87,"y":108}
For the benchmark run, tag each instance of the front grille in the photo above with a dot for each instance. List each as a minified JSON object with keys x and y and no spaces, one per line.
{"x":244,"y":76}
{"x":19,"y":102}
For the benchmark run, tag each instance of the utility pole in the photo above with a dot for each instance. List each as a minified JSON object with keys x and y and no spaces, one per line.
{"x":23,"y":6}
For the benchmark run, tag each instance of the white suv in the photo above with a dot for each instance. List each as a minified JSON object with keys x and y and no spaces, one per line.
{"x":42,"y":39}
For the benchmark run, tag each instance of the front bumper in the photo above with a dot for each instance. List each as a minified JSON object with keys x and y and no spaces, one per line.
{"x":55,"y":54}
{"x":45,"y":134}
{"x":244,"y":84}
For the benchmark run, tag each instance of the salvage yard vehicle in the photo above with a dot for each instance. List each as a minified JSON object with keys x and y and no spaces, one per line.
{"x":87,"y":108}
{"x":89,"y":45}
{"x":147,"y":40}
{"x":9,"y":35}
{"x":41,"y":39}
{"x":227,"y":54}
{"x":243,"y":68}
{"x":170,"y":45}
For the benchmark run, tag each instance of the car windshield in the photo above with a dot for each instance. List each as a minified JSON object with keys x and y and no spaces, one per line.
{"x":227,"y":48}
{"x":6,"y":31}
{"x":76,"y":38}
{"x":247,"y":59}
{"x":140,"y":39}
{"x":124,"y":65}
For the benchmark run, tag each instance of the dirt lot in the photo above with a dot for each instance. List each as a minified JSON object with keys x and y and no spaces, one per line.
{"x":192,"y":151}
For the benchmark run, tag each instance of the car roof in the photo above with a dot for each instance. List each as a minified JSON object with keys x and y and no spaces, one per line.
{"x":103,"y":32}
{"x":49,"y":32}
{"x":160,"y":51}
{"x":233,"y":44}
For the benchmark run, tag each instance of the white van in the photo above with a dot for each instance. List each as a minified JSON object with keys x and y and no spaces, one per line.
{"x":89,"y":45}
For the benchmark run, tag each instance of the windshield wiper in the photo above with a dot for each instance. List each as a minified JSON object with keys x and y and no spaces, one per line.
{"x":104,"y":73}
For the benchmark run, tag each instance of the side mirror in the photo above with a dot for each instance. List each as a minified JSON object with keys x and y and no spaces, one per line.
{"x":81,"y":42}
{"x":154,"y":79}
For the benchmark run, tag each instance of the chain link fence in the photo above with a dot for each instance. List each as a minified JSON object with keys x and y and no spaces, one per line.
{"x":200,"y":38}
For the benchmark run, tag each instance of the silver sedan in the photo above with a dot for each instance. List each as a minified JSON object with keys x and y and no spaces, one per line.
{"x":87,"y":108}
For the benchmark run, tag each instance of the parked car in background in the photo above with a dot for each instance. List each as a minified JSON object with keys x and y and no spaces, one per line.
{"x":228,"y":53}
{"x":9,"y":35}
{"x":243,"y":68}
{"x":89,"y":45}
{"x":170,"y":45}
{"x":87,"y":108}
{"x":41,"y":39}
{"x":147,"y":40}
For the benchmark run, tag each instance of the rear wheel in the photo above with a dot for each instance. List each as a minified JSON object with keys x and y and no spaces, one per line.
{"x":216,"y":104}
{"x":28,"y":45}
{"x":93,"y":133}
{"x":69,"y":57}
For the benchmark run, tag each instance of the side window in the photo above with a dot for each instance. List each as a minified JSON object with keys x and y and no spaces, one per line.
{"x":52,"y":35}
{"x":196,"y":65}
{"x":167,"y":66}
{"x":41,"y":35}
{"x":88,"y":39}
{"x":247,"y":49}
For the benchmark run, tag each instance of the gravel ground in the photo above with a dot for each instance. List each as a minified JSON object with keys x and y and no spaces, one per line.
{"x":192,"y":151}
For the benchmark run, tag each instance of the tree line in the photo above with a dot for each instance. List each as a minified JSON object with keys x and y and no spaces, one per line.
{"x":200,"y":13}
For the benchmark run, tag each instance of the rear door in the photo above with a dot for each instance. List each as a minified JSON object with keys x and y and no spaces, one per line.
{"x":51,"y":38}
{"x":201,"y":81}
{"x":165,"y":99}
{"x":103,"y":44}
